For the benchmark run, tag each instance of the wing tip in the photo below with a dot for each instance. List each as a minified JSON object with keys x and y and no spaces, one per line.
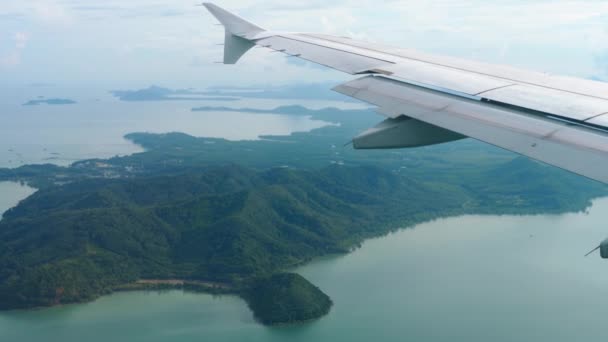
{"x":232,"y":22}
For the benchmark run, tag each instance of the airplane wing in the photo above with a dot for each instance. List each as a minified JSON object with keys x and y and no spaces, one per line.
{"x":428,"y":99}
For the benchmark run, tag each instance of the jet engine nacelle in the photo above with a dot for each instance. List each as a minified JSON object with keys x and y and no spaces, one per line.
{"x":603,"y":247}
{"x":402,"y":132}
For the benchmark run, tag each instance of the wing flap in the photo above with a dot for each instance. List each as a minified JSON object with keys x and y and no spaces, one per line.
{"x":557,"y":102}
{"x":575,"y":148}
{"x":448,"y":79}
{"x":600,"y":120}
{"x":511,"y":74}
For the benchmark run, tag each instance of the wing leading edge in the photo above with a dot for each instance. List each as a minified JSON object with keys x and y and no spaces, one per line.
{"x":429,"y":99}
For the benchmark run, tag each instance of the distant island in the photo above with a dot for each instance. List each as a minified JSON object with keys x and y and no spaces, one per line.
{"x":312,"y":91}
{"x":235,"y":217}
{"x":155,"y":93}
{"x":285,"y":110}
{"x":302,"y":91}
{"x":37,"y":102}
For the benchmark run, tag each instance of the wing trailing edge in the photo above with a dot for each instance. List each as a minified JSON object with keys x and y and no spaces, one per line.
{"x":576,"y":148}
{"x":429,"y":99}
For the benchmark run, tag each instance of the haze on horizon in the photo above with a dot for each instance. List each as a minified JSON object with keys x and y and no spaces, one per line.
{"x":173,"y":43}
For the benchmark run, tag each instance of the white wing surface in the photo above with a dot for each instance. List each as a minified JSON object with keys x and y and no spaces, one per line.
{"x":428,"y":99}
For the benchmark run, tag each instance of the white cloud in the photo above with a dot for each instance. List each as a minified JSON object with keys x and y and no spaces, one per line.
{"x":51,"y":12}
{"x":47,"y":12}
{"x":160,"y":38}
{"x":12,"y":59}
{"x":21,"y":39}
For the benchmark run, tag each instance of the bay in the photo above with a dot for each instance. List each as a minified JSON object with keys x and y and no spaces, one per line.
{"x":11,"y":193}
{"x":94,"y":127}
{"x":468,"y":278}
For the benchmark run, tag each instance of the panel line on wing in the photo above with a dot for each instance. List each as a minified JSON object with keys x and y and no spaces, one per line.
{"x":505,"y":86}
{"x":361,"y":90}
{"x":445,"y":65}
{"x":531,"y":111}
{"x":342,"y":60}
{"x":292,"y":37}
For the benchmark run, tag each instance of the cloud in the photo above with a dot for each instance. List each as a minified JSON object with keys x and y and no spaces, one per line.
{"x":21,"y":39}
{"x":51,"y":13}
{"x":166,"y":38}
{"x":11,"y":16}
{"x":601,"y":61}
{"x":13,"y":57}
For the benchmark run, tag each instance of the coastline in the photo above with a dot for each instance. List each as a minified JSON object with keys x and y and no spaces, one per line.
{"x":178,"y":284}
{"x":219,"y":288}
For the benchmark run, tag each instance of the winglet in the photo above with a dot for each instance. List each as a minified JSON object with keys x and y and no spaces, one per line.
{"x":239,"y":33}
{"x":233,"y":23}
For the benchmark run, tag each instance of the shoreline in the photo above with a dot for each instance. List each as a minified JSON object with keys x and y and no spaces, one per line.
{"x":177,"y":284}
{"x":218,"y":288}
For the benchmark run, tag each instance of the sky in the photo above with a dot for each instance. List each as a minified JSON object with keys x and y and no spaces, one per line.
{"x":137,"y":43}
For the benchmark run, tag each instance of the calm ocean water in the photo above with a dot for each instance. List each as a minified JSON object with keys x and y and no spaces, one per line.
{"x":469,"y":278}
{"x":95,"y":126}
{"x":11,"y":193}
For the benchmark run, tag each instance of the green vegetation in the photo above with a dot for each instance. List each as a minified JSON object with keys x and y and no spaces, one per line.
{"x":184,"y":211}
{"x":228,"y":224}
{"x":286,"y":298}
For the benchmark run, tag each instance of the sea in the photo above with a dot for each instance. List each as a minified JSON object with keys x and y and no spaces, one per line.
{"x":467,"y":278}
{"x":95,"y":126}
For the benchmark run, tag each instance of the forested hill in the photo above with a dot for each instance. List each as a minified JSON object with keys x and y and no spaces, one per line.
{"x":230,"y":224}
{"x":180,"y":213}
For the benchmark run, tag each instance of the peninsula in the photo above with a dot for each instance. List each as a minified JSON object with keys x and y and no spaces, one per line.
{"x":184,"y":214}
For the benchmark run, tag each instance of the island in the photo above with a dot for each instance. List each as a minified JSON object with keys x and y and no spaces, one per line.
{"x":156,"y":93}
{"x":236,"y":217}
{"x":54,"y":102}
{"x":300,"y":91}
{"x":286,"y":298}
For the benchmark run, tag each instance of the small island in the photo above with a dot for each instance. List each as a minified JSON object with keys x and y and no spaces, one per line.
{"x":286,"y":298}
{"x":49,"y":102}
{"x":156,"y":93}
{"x":304,"y":91}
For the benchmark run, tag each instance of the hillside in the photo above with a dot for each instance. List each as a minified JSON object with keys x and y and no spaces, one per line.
{"x":286,"y":298}
{"x":74,"y":242}
{"x":229,"y":224}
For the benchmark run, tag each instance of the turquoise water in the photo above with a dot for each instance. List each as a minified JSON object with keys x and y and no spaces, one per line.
{"x":94,"y":127}
{"x":11,"y":193}
{"x":470,"y":278}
